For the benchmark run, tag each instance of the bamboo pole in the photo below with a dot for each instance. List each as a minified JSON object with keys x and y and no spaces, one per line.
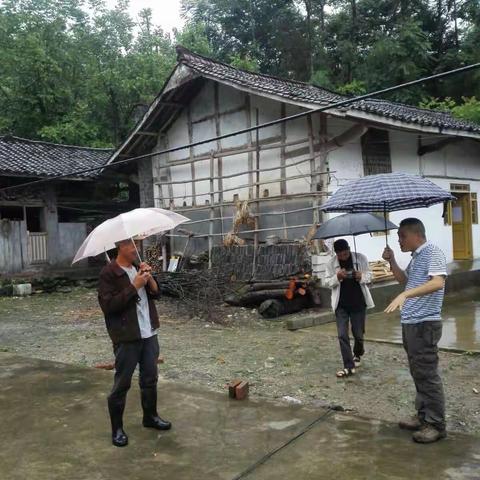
{"x":228,"y":152}
{"x":275,"y":198}
{"x":238,"y":187}
{"x":239,"y":174}
{"x":272,"y":229}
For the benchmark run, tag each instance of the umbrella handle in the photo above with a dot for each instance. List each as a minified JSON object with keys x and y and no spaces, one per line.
{"x":355,"y":248}
{"x":136,"y":249}
{"x":386,"y":226}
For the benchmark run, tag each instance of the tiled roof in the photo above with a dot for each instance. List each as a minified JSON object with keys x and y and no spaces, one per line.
{"x":303,"y":92}
{"x":19,"y":156}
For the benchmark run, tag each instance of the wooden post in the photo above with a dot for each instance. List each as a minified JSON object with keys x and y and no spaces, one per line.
{"x":313,"y":168}
{"x":192,"y":164}
{"x":257,"y":193}
{"x":283,"y":161}
{"x":212,"y":211}
{"x":164,"y":256}
{"x":218,"y":132}
{"x":248,"y":117}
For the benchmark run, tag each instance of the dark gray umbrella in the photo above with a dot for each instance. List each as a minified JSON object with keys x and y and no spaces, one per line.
{"x":353,"y":224}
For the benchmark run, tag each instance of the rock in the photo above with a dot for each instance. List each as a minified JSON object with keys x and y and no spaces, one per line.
{"x":292,"y":400}
{"x":22,"y":290}
{"x":64,"y":289}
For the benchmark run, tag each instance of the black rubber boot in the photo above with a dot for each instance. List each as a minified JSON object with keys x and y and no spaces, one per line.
{"x":150,"y":415}
{"x":119,"y":437}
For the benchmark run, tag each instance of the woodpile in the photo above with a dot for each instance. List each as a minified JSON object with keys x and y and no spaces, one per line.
{"x":283,"y":291}
{"x":381,"y":271}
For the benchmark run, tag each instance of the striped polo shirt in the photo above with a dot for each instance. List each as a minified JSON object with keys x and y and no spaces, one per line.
{"x":427,"y":261}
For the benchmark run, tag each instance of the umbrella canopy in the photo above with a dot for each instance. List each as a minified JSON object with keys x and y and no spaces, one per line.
{"x":139,"y":222}
{"x":352,"y":224}
{"x":386,"y":192}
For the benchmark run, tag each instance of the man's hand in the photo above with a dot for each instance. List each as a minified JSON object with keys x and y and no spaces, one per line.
{"x":145,"y":267}
{"x":152,"y":284}
{"x":388,"y":255}
{"x":141,"y":279}
{"x":396,"y":303}
{"x":357,"y":276}
{"x":341,"y":274}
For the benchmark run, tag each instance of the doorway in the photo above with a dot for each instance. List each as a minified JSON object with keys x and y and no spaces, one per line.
{"x":462,"y":227}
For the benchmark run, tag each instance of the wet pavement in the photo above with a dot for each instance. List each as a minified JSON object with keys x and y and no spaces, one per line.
{"x":55,"y":426}
{"x":461,"y":323}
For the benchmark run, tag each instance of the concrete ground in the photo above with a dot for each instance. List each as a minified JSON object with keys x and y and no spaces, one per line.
{"x":55,"y":426}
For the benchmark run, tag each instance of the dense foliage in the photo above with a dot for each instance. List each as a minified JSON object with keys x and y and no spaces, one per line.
{"x":74,"y":71}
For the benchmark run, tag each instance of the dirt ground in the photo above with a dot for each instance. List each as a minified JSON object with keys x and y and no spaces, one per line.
{"x":280,"y":365}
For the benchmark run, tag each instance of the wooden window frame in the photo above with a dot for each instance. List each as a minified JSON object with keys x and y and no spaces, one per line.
{"x":375,"y":145}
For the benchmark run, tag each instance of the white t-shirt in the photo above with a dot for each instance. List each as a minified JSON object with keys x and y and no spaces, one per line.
{"x":143,"y":313}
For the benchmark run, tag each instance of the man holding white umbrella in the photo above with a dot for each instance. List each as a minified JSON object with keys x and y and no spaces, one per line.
{"x":126,"y":296}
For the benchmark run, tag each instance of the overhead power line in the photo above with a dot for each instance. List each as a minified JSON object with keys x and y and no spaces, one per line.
{"x":278,"y":121}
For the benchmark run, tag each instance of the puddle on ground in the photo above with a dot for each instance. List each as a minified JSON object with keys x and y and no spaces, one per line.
{"x":461,"y":323}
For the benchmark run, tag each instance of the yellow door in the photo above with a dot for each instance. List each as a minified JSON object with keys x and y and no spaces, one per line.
{"x":462,"y":227}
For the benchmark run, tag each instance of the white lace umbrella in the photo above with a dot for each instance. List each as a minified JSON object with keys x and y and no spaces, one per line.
{"x":141,"y":222}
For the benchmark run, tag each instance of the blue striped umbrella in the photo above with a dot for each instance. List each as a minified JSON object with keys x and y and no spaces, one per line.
{"x":386,"y":192}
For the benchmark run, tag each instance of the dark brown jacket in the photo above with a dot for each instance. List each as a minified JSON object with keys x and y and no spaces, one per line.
{"x":118,"y":300}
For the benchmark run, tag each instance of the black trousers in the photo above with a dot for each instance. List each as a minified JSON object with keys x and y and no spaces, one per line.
{"x":421,"y":344}
{"x":127,"y":356}
{"x":357,"y":320}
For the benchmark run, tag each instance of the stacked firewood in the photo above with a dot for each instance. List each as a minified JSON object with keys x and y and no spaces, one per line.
{"x":255,"y":293}
{"x":381,"y":271}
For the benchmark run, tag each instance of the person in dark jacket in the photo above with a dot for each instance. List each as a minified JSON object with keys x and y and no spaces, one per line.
{"x":126,"y":297}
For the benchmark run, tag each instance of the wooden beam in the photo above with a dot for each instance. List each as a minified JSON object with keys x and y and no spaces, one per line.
{"x":434,"y":147}
{"x":148,"y":134}
{"x":212,"y":116}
